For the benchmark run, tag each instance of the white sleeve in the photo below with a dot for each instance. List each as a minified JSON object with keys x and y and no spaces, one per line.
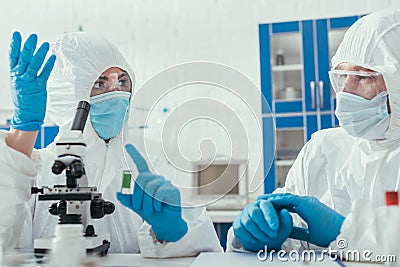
{"x":233,"y":244}
{"x":366,"y":229}
{"x":18,"y":175}
{"x":201,"y":237}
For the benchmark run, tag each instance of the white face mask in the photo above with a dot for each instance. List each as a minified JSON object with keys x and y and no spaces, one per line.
{"x":361,"y":117}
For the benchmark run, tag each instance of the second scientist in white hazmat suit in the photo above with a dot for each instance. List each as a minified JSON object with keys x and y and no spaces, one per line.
{"x":338,"y":182}
{"x":87,"y":67}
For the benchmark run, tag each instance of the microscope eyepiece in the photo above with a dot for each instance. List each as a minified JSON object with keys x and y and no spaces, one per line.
{"x":81,"y":115}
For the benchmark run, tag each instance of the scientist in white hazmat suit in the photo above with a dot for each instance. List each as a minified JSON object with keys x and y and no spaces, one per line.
{"x":336,"y":187}
{"x":87,"y":67}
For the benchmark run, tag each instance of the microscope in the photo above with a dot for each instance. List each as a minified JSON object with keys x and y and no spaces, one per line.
{"x":77,"y":203}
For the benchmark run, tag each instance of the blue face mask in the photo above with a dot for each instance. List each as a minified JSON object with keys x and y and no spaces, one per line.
{"x":361,"y":117}
{"x":109,"y":112}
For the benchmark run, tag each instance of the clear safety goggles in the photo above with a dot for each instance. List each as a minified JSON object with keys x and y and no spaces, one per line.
{"x":112,"y":82}
{"x":361,"y":83}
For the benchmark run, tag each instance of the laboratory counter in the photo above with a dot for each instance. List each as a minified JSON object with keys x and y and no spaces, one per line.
{"x":135,"y":260}
{"x":210,"y":260}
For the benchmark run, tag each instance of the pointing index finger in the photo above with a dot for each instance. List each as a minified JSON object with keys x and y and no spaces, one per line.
{"x":139,"y":161}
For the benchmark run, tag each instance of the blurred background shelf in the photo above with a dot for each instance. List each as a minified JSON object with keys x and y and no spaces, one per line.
{"x":292,"y":67}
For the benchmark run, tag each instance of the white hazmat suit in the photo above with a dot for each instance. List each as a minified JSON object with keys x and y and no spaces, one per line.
{"x":349,"y":174}
{"x":81,"y":59}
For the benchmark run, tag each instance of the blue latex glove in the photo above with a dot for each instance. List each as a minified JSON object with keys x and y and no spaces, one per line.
{"x":259,"y":224}
{"x":323,"y":222}
{"x":28,"y":88}
{"x":156,"y":200}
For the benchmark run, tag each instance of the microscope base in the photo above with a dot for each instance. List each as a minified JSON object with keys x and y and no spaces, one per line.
{"x":96,"y":246}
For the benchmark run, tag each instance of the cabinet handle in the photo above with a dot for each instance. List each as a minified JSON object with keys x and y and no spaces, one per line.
{"x":312,"y":86}
{"x":321,"y":92}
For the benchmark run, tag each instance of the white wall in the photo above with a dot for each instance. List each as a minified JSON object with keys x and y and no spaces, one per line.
{"x":156,"y":34}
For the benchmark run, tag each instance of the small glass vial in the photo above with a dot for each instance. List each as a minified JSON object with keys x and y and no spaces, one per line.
{"x":280,"y":76}
{"x":126,"y":183}
{"x":68,"y":247}
{"x":392,"y":228}
{"x":280,"y":58}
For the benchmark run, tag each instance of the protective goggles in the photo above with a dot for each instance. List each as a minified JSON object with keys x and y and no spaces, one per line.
{"x":112,"y":82}
{"x":364,"y":84}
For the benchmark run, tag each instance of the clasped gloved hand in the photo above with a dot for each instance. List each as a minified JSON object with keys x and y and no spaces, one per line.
{"x":260,"y":225}
{"x":323,"y":222}
{"x":28,"y":87}
{"x":156,"y":200}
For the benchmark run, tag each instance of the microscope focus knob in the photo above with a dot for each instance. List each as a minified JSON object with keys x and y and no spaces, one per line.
{"x":108,"y":207}
{"x":99,"y":208}
{"x":58,"y":208}
{"x":53,"y":209}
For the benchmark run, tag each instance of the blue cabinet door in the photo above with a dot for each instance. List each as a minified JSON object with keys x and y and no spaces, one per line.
{"x":322,"y":84}
{"x":267,"y":32}
{"x":289,"y":106}
{"x":312,"y":125}
{"x":317,"y":122}
{"x":309,"y":66}
{"x":269,"y":154}
{"x":326,"y":121}
{"x":265,"y":67}
{"x":315,"y":109}
{"x":342,"y":22}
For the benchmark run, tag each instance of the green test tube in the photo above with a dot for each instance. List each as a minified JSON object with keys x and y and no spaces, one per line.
{"x":126,"y":182}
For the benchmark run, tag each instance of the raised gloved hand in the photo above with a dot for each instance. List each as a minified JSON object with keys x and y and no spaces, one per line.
{"x":323,"y":222}
{"x":156,"y":200}
{"x":28,"y":88}
{"x":260,"y":225}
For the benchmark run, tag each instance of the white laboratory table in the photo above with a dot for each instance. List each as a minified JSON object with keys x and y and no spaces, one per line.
{"x":136,"y":260}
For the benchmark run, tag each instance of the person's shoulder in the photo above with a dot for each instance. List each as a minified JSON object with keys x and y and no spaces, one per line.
{"x":337,"y":136}
{"x":328,"y":145}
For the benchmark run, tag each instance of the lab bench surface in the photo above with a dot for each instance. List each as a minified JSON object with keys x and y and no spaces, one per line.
{"x":135,"y":260}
